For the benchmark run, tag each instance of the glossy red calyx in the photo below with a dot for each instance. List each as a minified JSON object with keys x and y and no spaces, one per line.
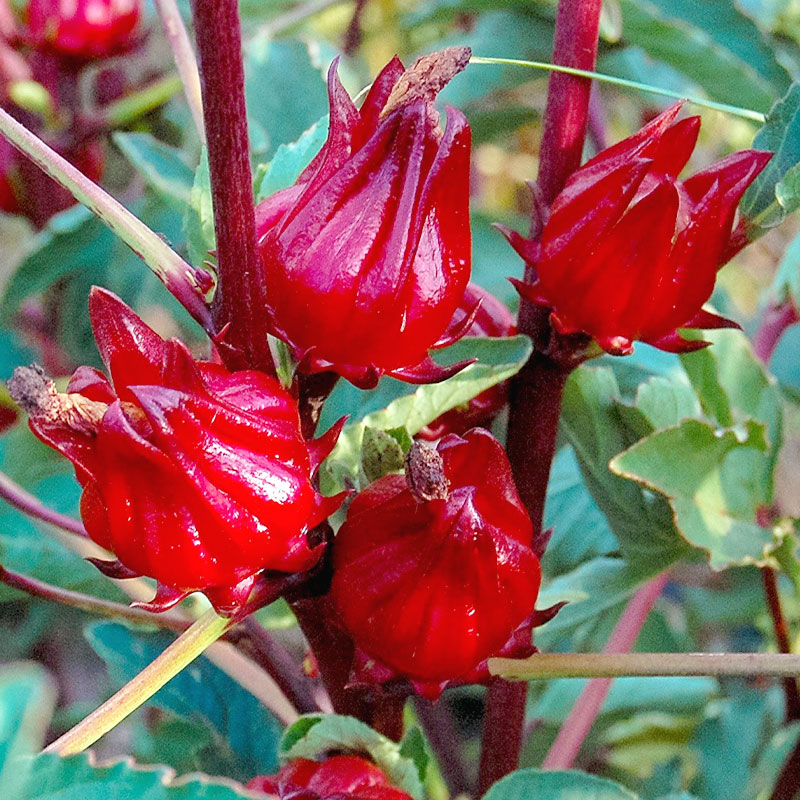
{"x":338,"y":778}
{"x":493,"y":319}
{"x":630,"y":252}
{"x":367,"y":256}
{"x":84,"y":28}
{"x":192,"y":475}
{"x":431,"y":588}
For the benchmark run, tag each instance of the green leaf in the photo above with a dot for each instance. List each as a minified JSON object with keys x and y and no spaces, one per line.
{"x":712,"y":43}
{"x":498,"y":360}
{"x":27,"y":697}
{"x":597,"y":586}
{"x":289,"y":161}
{"x":245,"y":735}
{"x":166,"y":169}
{"x":734,"y":387}
{"x":277,"y":75}
{"x":199,"y":215}
{"x":580,"y":530}
{"x":626,"y":696}
{"x":727,"y":743}
{"x":72,"y":240}
{"x":773,"y":194}
{"x":315,"y":735}
{"x":599,"y":426}
{"x":413,"y":746}
{"x":771,"y":760}
{"x":786,"y":283}
{"x":556,"y":785}
{"x":711,"y":479}
{"x":77,"y":778}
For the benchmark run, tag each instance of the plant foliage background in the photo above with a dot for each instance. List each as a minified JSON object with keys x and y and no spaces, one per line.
{"x":697,"y":444}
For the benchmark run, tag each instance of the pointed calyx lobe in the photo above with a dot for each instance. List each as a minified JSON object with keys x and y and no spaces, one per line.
{"x":192,"y":475}
{"x":629,"y":251}
{"x":366,"y":258}
{"x":432,"y":587}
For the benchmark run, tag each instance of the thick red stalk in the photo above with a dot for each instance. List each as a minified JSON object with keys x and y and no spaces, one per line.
{"x":537,"y":390}
{"x":239,"y":301}
{"x":573,"y":732}
{"x":567,"y":112}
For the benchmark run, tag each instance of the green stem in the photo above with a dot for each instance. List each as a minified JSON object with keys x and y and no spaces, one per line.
{"x":136,"y":104}
{"x":185,"y":61}
{"x":746,"y":113}
{"x":185,"y":649}
{"x":178,"y":276}
{"x":547,"y":666}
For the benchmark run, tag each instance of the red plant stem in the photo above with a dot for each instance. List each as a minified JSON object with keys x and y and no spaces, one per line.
{"x":437,"y":722}
{"x":573,"y":732}
{"x":775,"y":319}
{"x":92,"y":605}
{"x":788,"y":784}
{"x":16,"y":496}
{"x":782,"y":638}
{"x":537,"y":390}
{"x":240,"y":299}
{"x":567,"y":112}
{"x":281,"y":666}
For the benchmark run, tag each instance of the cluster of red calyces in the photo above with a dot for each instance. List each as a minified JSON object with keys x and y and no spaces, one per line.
{"x":630,"y":252}
{"x":492,"y":319}
{"x":434,"y":570}
{"x":367,"y":256}
{"x":336,"y":778}
{"x":51,"y":45}
{"x":192,"y":475}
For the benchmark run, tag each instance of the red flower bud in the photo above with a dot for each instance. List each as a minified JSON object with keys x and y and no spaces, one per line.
{"x":629,"y":251}
{"x":338,"y":778}
{"x":367,"y":256}
{"x":84,"y":28}
{"x":491,"y":319}
{"x":192,"y":475}
{"x":433,"y":574}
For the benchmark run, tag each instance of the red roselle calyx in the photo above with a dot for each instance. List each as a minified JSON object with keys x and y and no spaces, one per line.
{"x":491,"y":319}
{"x":430,"y":583}
{"x":84,"y":29}
{"x":367,"y":256}
{"x":341,"y":777}
{"x":192,"y":475}
{"x":629,"y":252}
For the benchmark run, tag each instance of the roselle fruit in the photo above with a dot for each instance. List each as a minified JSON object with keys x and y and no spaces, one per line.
{"x":84,"y":29}
{"x":342,"y":777}
{"x":192,"y":475}
{"x":630,"y":251}
{"x":433,"y":570}
{"x":366,"y":258}
{"x":492,"y":319}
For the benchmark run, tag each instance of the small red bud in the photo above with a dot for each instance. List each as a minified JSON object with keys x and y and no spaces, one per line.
{"x":630,"y":252}
{"x":192,"y":475}
{"x":342,"y":777}
{"x":431,"y":588}
{"x":84,"y":29}
{"x":367,"y":256}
